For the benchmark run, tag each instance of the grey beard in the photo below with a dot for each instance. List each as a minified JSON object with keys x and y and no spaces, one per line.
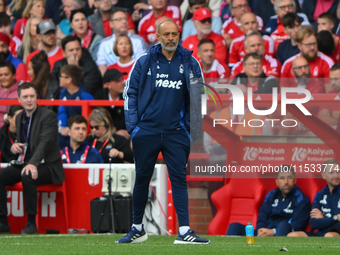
{"x":169,"y":48}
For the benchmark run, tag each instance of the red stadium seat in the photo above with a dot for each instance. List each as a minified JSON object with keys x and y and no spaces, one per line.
{"x":238,"y":201}
{"x":46,"y":188}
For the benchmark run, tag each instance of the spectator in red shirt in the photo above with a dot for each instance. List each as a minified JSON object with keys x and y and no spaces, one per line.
{"x":301,"y":72}
{"x":213,"y":70}
{"x":5,"y":27}
{"x":248,"y":24}
{"x":202,"y":21}
{"x":100,"y":20}
{"x":5,"y":54}
{"x":231,"y":28}
{"x":48,"y":38}
{"x":146,"y":27}
{"x":33,"y":8}
{"x":254,"y":43}
{"x":326,"y":21}
{"x":319,"y":63}
{"x":122,"y":48}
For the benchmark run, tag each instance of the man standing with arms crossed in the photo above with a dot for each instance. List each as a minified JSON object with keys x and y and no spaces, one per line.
{"x":160,"y":87}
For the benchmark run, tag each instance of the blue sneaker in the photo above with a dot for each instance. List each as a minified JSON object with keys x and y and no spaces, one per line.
{"x":190,"y":238}
{"x":134,"y":236}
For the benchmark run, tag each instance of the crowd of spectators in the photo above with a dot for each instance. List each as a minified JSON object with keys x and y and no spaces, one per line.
{"x":78,"y":49}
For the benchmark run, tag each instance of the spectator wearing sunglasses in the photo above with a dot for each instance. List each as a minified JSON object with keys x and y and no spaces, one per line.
{"x":104,"y":138}
{"x":70,"y":78}
{"x":202,"y":21}
{"x":77,"y":150}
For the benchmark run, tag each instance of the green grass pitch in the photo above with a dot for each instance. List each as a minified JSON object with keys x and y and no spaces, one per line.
{"x":105,"y":244}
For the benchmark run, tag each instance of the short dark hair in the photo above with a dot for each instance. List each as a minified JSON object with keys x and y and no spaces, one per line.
{"x":13,"y":109}
{"x":335,"y":67}
{"x":8,"y":64}
{"x":203,"y":41}
{"x":193,"y":2}
{"x":26,"y":85}
{"x":254,"y":55}
{"x":329,"y":16}
{"x":290,"y":19}
{"x":74,"y":72}
{"x":285,"y":169}
{"x":232,"y":4}
{"x":325,"y":42}
{"x":76,"y":119}
{"x":68,"y":39}
{"x":117,"y":9}
{"x":5,"y":20}
{"x":73,"y":12}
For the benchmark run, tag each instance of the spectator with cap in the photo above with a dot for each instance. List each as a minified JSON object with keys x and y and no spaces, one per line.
{"x":202,"y":21}
{"x":5,"y":27}
{"x":70,"y":78}
{"x":5,"y":54}
{"x":113,"y":90}
{"x":48,"y":39}
{"x":189,"y":28}
{"x":122,"y":48}
{"x":74,"y":54}
{"x":77,"y":151}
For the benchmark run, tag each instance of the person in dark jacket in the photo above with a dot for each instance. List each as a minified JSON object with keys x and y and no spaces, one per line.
{"x":284,"y":209}
{"x":253,"y":76}
{"x":76,"y":55}
{"x":8,"y":133}
{"x":104,"y":138}
{"x":78,"y":150}
{"x":325,"y":213}
{"x":114,"y":86}
{"x":39,"y":160}
{"x":157,"y":94}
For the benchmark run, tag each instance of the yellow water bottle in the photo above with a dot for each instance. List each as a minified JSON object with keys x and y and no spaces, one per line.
{"x":250,"y":233}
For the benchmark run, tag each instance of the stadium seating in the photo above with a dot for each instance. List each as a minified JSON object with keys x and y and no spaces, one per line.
{"x":46,"y":188}
{"x":238,"y":201}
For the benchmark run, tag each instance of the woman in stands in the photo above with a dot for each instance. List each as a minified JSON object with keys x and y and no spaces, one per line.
{"x":30,"y":40}
{"x":104,"y":138}
{"x":16,"y":8}
{"x":9,"y":85}
{"x":89,"y":39}
{"x":8,"y":133}
{"x":33,"y":8}
{"x":39,"y":72}
{"x":123,"y":48}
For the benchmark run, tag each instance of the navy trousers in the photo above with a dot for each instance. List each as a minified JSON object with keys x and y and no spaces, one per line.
{"x":175,"y":149}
